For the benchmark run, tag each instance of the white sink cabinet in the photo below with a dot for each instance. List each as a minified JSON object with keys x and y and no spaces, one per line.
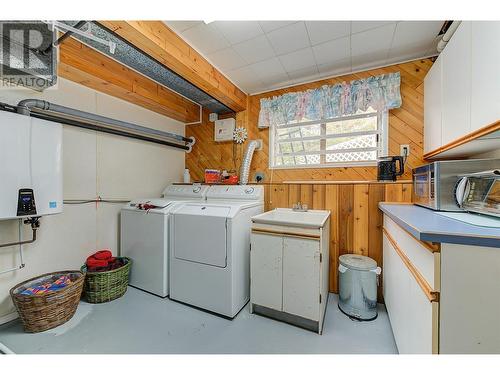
{"x":289,"y":261}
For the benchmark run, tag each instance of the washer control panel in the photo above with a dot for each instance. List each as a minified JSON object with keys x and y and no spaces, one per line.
{"x":245,"y":192}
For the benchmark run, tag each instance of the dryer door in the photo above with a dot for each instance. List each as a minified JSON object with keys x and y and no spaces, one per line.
{"x":199,"y":234}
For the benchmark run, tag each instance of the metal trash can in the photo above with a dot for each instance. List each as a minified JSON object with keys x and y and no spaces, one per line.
{"x":358,"y":280}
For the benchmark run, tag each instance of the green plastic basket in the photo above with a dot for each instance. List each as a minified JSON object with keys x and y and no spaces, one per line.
{"x":106,"y":286}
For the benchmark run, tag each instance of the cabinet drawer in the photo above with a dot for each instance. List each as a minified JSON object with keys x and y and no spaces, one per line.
{"x":413,"y":317}
{"x":425,"y":257}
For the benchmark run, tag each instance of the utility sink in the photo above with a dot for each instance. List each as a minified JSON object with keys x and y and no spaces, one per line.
{"x":289,"y":217}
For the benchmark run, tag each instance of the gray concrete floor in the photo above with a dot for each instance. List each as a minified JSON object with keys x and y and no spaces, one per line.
{"x":142,"y":323}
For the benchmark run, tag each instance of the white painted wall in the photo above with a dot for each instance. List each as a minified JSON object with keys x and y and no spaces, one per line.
{"x":95,"y":164}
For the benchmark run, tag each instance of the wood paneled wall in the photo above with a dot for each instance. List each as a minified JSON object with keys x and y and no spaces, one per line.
{"x":88,"y":67}
{"x":405,"y":127}
{"x":356,"y":222}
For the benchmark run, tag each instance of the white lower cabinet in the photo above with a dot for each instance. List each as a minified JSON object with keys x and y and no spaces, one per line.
{"x":410,"y":311}
{"x":289,"y":276}
{"x":441,"y":299}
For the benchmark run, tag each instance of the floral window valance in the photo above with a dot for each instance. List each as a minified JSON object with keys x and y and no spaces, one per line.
{"x":327,"y":102}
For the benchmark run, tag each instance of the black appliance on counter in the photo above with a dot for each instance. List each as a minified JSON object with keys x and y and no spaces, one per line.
{"x":387,"y":169}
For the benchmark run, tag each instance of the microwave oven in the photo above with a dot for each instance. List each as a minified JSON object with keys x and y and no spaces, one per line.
{"x":434,"y":184}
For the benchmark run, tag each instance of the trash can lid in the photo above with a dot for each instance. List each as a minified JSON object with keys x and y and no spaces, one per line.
{"x":357,"y":262}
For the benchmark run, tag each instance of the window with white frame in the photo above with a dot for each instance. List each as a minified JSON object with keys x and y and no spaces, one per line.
{"x":354,"y":140}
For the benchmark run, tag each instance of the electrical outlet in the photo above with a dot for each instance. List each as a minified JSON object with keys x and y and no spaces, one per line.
{"x":259,"y":176}
{"x":404,"y":150}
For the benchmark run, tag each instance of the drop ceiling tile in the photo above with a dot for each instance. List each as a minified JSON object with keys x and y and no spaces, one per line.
{"x":373,"y":40}
{"x":414,"y":32}
{"x":296,"y":60}
{"x":409,"y":52}
{"x":268,"y":69}
{"x":255,"y":88}
{"x":304,"y":75}
{"x":226,"y":59}
{"x":289,"y":38}
{"x":369,"y":60}
{"x":205,"y":38}
{"x":255,"y":50}
{"x":180,"y":26}
{"x":331,"y":51}
{"x":335,"y":68}
{"x":278,"y":81}
{"x":268,"y":26}
{"x":359,"y":26}
{"x":239,"y":31}
{"x":242,"y":75}
{"x":322,"y":31}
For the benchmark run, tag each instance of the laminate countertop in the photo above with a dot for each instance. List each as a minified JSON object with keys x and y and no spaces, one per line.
{"x":428,"y":225}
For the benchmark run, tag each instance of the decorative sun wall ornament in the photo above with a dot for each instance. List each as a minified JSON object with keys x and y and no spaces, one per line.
{"x":240,"y":135}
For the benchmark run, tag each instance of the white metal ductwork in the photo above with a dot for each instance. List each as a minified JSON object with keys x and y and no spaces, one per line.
{"x":447,"y":35}
{"x":247,"y":161}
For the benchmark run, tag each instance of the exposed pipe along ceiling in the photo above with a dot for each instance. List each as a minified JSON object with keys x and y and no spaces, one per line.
{"x":73,"y":117}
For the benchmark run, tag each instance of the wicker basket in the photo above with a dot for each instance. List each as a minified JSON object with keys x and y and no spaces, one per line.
{"x":108,"y":285}
{"x":45,"y":311}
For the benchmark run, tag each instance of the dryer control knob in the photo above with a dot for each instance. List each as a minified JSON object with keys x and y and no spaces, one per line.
{"x":249,"y":190}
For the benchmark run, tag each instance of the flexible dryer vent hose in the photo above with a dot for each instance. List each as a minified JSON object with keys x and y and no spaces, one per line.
{"x":247,"y":160}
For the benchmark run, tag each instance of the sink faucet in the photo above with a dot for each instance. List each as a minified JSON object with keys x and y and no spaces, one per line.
{"x":299,"y":207}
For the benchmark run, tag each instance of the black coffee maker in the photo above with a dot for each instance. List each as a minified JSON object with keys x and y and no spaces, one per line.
{"x":386,"y":168}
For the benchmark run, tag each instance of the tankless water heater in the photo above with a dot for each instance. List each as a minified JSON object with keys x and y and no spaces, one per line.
{"x":30,"y":166}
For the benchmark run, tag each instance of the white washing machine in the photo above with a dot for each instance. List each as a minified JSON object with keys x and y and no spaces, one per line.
{"x":144,"y":236}
{"x":210,"y":249}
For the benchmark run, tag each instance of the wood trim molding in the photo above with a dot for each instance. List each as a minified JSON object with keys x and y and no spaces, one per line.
{"x":432,"y":295}
{"x":161,"y":43}
{"x":88,"y":67}
{"x":465,"y":139}
{"x":271,"y":232}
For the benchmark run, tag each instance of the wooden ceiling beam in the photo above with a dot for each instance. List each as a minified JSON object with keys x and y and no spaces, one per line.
{"x":161,"y":43}
{"x":88,"y":67}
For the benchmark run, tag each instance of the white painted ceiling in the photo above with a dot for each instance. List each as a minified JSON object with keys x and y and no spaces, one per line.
{"x":264,"y":55}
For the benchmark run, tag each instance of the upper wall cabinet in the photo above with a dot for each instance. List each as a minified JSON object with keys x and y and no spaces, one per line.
{"x":462,"y":89}
{"x":456,"y":83}
{"x":432,"y":107}
{"x":485,"y":88}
